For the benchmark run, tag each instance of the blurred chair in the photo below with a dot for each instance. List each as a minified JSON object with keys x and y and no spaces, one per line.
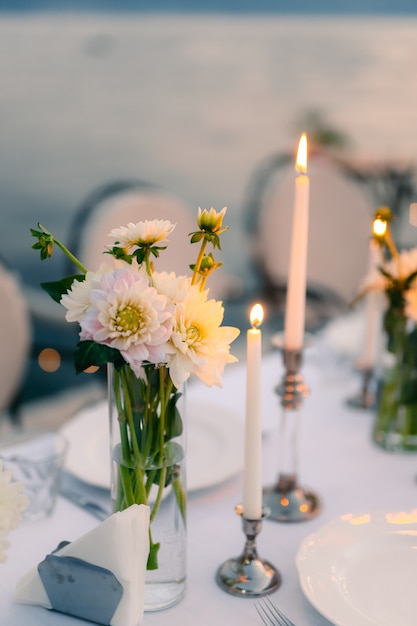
{"x":117,"y":203}
{"x":392,"y":184}
{"x":340,"y":224}
{"x":15,"y":339}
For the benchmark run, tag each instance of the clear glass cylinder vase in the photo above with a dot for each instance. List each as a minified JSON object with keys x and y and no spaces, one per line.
{"x":148,"y":443}
{"x":395,"y":426}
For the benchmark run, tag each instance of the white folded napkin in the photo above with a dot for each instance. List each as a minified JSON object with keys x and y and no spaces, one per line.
{"x":119,"y":544}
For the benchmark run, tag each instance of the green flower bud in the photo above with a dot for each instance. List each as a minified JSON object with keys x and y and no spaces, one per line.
{"x":208,"y":265}
{"x":211,"y":221}
{"x":384,"y":213}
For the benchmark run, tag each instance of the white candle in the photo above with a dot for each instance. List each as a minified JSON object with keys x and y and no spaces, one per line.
{"x":252,"y":475}
{"x":372,"y":312}
{"x":297,"y":276}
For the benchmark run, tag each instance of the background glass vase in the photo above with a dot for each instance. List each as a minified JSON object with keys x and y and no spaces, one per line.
{"x":147,"y":433}
{"x":395,"y":427}
{"x":36,"y":458}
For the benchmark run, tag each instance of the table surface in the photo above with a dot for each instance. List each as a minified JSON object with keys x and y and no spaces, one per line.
{"x":338,"y":460}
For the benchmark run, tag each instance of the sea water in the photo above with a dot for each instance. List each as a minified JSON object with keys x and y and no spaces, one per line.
{"x":194,"y":103}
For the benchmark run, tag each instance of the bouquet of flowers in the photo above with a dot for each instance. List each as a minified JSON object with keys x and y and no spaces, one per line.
{"x":12,"y":503}
{"x":396,"y":277}
{"x":155,"y":329}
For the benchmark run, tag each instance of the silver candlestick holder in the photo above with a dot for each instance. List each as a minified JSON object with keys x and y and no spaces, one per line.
{"x":247,"y":575}
{"x":287,"y":500}
{"x":364,"y":399}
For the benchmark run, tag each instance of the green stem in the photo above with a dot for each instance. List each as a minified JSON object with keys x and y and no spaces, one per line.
{"x":148,"y":263}
{"x":203,"y":282}
{"x":180,"y":496}
{"x":151,"y":475}
{"x":161,"y":486}
{"x":165,"y":390}
{"x":197,"y":266}
{"x":71,"y":256}
{"x":397,"y":414}
{"x":144,"y":409}
{"x":162,"y":400}
{"x":122,"y":421}
{"x":390,"y":243}
{"x":140,"y":487}
{"x":126,"y":480}
{"x":125,"y":495}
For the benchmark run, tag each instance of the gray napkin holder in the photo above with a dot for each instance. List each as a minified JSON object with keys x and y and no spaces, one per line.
{"x":80,"y":589}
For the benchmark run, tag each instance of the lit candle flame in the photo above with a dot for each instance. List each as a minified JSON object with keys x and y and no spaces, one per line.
{"x":256,"y":315}
{"x":379,"y":227}
{"x":301,"y":162}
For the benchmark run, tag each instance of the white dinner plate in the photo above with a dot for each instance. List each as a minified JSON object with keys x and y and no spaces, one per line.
{"x":214,"y":445}
{"x":361,"y":570}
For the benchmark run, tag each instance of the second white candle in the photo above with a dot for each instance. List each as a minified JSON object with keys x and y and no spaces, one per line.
{"x":252,"y":476}
{"x":297,"y":276}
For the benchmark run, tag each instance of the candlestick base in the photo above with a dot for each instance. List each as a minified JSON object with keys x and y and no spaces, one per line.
{"x":292,"y":389}
{"x":248,"y":576}
{"x":288,"y":502}
{"x":364,"y":399}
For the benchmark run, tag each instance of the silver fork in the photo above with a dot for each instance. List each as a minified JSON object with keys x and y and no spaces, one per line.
{"x":270,"y":614}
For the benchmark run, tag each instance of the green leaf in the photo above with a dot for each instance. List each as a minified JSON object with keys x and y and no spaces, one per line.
{"x":409,"y":280}
{"x":89,"y":353}
{"x":155,"y":250}
{"x":45,"y":241}
{"x":385,"y":273}
{"x":119,"y":253}
{"x":410,"y":349}
{"x":181,"y":496}
{"x":140,"y":255}
{"x":197,"y":236}
{"x":174,"y":426}
{"x":153,"y":556}
{"x":409,"y":392}
{"x":214,"y":239}
{"x":395,"y":326}
{"x":58,"y":288}
{"x":173,"y":453}
{"x":152,"y":377}
{"x":36,"y":233}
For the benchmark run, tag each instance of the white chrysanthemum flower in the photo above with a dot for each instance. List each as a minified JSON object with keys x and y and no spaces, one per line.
{"x":399,"y":268}
{"x":410,"y":297}
{"x":142,"y":233}
{"x":174,"y":287}
{"x":406,"y":265}
{"x":375,"y":281}
{"x":127,"y":314}
{"x":198,"y":344}
{"x":77,"y":299}
{"x":12,"y":503}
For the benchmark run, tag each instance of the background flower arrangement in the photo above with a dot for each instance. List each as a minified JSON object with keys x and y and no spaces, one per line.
{"x":396,"y":277}
{"x":155,"y":329}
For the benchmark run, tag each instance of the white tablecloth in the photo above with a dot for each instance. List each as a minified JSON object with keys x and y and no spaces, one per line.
{"x":337,"y":459}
